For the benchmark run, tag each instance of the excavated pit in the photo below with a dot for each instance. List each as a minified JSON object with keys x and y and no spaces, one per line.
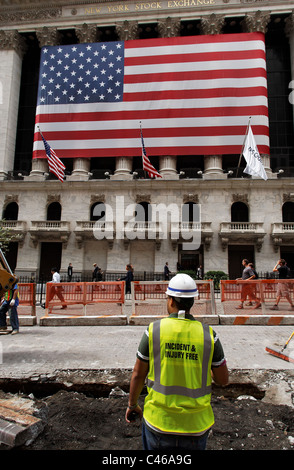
{"x":86,"y":410}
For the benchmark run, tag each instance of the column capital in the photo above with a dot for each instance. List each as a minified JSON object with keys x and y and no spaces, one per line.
{"x":256,"y":22}
{"x":48,"y":36}
{"x":127,"y":30}
{"x":12,"y":40}
{"x":212,"y":24}
{"x":289,"y":25}
{"x":169,"y":27}
{"x":86,"y":33}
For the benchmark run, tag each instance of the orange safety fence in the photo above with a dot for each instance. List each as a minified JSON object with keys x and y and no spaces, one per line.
{"x":27,"y":299}
{"x":149,"y":298}
{"x":85,"y":298}
{"x":265,"y":291}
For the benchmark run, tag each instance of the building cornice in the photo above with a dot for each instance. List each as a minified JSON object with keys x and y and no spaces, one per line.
{"x":14,"y":13}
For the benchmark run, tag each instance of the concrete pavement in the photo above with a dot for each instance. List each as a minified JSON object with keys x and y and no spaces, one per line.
{"x":43,"y":349}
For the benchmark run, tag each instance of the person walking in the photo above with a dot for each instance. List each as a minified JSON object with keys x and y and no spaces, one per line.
{"x":55,"y":290}
{"x":129,"y":277}
{"x":69,"y":272}
{"x":247,"y":289}
{"x":10,"y":301}
{"x":179,"y":356}
{"x":282,"y":289}
{"x":166,"y":272}
{"x":95,"y":272}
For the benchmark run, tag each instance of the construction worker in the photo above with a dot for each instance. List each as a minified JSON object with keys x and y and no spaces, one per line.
{"x":179,"y":356}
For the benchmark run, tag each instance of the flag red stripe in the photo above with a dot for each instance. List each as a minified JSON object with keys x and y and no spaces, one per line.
{"x":154,"y":114}
{"x":195,"y":94}
{"x":195,"y":75}
{"x":130,"y":152}
{"x":194,"y":57}
{"x":202,"y":39}
{"x":159,"y":132}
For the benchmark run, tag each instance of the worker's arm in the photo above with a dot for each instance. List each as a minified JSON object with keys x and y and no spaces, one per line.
{"x":220,"y":375}
{"x":136,"y":385}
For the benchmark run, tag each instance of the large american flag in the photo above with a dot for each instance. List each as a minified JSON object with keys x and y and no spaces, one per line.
{"x":193,"y":95}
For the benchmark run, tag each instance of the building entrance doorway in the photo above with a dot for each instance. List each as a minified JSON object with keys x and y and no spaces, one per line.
{"x":287,"y":253}
{"x":190,"y":260}
{"x":50,"y":258}
{"x":236,"y":253}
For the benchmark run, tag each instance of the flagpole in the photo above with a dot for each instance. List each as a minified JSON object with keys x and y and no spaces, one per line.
{"x":145,"y":173}
{"x":243,"y":147}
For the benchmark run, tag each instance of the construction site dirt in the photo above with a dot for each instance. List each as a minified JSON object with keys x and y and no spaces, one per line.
{"x":81,"y":374}
{"x":244,"y":419}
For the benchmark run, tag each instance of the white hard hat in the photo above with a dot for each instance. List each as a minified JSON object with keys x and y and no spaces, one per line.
{"x":182,"y":285}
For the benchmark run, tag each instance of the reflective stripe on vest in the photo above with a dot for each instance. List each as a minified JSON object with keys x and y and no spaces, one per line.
{"x":176,"y":389}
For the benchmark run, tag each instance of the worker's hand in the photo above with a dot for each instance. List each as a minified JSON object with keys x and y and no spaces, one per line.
{"x":12,"y":302}
{"x":131,"y":415}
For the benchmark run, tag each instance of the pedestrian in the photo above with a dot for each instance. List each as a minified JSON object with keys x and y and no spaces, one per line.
{"x":179,"y":356}
{"x":199,"y":272}
{"x":128,"y":278}
{"x":10,"y":301}
{"x":254,"y":287}
{"x":95,"y":272}
{"x":247,"y":289}
{"x":283,"y":289}
{"x":69,"y":272}
{"x":166,"y":272}
{"x":55,"y":290}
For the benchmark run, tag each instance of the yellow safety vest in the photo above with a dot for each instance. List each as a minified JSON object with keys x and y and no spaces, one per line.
{"x":179,"y":378}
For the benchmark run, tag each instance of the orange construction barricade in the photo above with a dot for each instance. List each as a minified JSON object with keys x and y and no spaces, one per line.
{"x":84,"y":298}
{"x":149,"y":300}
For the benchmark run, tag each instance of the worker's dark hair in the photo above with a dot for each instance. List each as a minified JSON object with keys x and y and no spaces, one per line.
{"x":54,"y":270}
{"x":184,"y":303}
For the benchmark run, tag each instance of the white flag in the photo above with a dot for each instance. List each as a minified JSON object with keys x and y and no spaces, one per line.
{"x":254,"y":165}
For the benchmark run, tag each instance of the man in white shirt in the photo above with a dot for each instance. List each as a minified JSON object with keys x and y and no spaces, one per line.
{"x":55,"y":290}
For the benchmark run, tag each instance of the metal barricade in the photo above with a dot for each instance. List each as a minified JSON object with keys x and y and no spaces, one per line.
{"x":27,"y":299}
{"x":149,"y":301}
{"x":258,"y":299}
{"x":84,"y":298}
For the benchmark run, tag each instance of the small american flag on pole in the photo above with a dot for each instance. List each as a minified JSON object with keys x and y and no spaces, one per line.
{"x":55,"y":164}
{"x":152,"y":172}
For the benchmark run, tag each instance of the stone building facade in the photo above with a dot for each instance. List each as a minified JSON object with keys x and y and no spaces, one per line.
{"x":54,"y":223}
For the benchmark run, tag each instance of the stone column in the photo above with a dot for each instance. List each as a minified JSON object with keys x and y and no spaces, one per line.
{"x":167,"y":28}
{"x":123,"y":168}
{"x":257,"y":22}
{"x":12,"y":48}
{"x":46,"y":37}
{"x":213,"y":167}
{"x":126,"y":30}
{"x":168,"y":167}
{"x":81,"y":169}
{"x":289,"y":30}
{"x":213,"y":164}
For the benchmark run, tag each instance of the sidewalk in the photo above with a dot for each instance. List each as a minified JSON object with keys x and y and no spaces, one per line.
{"x":38,"y":350}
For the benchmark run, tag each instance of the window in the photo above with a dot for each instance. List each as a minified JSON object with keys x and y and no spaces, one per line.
{"x":97,"y":211}
{"x":10,"y":212}
{"x":288,"y":212}
{"x":54,"y":211}
{"x":239,"y":212}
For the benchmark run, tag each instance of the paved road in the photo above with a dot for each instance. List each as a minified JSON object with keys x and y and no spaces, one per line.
{"x":43,"y":349}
